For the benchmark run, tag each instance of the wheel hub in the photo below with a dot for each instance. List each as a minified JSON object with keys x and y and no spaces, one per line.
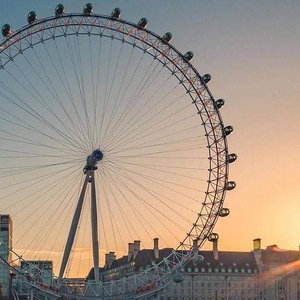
{"x":92,"y":160}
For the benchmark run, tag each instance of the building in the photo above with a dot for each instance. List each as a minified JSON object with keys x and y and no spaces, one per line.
{"x":221,"y":275}
{"x":279,"y":272}
{"x":41,"y":270}
{"x":261,"y":274}
{"x":233,"y":275}
{"x":5,"y":254}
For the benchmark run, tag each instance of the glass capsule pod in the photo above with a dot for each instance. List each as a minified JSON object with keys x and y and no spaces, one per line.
{"x":213,"y":237}
{"x":88,"y":9}
{"x":224,"y":212}
{"x":116,"y":13}
{"x":219,"y":103}
{"x":6,"y":30}
{"x":228,"y":130}
{"x":31,"y":17}
{"x":59,"y":10}
{"x":230,"y":185}
{"x":197,"y":259}
{"x":178,"y":277}
{"x":206,"y":78}
{"x":231,"y":157}
{"x":142,"y":23}
{"x":167,"y":37}
{"x":188,"y":55}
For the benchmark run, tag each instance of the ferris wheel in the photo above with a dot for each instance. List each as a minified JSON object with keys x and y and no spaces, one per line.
{"x":108,"y":135}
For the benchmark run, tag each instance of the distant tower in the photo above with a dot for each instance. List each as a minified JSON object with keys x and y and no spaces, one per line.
{"x":5,"y":245}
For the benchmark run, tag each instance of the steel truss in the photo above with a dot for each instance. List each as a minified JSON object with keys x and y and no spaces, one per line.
{"x":157,"y":277}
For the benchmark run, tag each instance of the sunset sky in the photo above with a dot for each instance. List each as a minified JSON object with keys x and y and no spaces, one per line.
{"x":251,"y":49}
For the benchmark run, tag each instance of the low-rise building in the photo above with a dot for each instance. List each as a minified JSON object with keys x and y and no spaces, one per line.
{"x":41,"y":270}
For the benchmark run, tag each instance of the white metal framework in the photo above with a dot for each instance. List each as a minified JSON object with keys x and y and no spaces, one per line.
{"x":62,"y":126}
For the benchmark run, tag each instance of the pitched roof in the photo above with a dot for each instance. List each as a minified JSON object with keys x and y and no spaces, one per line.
{"x":274,"y":255}
{"x":228,"y":259}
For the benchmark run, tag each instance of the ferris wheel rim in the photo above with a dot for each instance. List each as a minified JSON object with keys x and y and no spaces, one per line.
{"x":187,"y":242}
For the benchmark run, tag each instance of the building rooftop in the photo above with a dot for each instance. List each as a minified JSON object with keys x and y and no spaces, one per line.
{"x":226,"y":259}
{"x":274,"y":255}
{"x":213,"y":261}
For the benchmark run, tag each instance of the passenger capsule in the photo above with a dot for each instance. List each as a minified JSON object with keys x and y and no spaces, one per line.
{"x":142,"y":23}
{"x":188,"y":55}
{"x":88,"y":9}
{"x":6,"y":30}
{"x":213,"y":237}
{"x":219,"y":103}
{"x":31,"y":17}
{"x":224,"y":212}
{"x":206,"y":78}
{"x":178,"y":278}
{"x":167,"y":37}
{"x":230,"y":185}
{"x":197,"y":259}
{"x":59,"y":10}
{"x":231,"y":157}
{"x":228,"y":130}
{"x":116,"y":13}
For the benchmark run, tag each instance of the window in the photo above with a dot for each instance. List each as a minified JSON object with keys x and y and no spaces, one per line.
{"x":4,"y":219}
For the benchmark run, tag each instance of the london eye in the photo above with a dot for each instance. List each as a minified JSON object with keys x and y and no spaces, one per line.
{"x":108,"y":135}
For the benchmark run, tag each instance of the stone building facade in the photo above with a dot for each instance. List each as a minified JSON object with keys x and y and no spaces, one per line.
{"x":261,"y":274}
{"x":279,"y":272}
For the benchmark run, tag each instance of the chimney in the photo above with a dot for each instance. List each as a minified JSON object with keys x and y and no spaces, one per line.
{"x":130,"y":250}
{"x":256,"y":244}
{"x":195,"y":247}
{"x":136,"y":248}
{"x":257,"y":251}
{"x":214,"y":237}
{"x":215,"y":249}
{"x":155,"y":248}
{"x":196,"y":257}
{"x":111,"y":258}
{"x":106,"y":260}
